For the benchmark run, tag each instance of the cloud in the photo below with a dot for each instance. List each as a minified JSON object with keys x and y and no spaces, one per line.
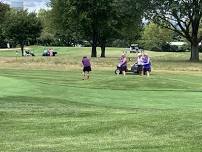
{"x":33,"y":5}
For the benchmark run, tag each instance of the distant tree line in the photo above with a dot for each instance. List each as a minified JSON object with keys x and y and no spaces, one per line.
{"x":119,"y":23}
{"x":102,"y":23}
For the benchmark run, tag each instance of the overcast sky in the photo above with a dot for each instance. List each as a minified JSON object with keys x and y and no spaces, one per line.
{"x":33,"y":5}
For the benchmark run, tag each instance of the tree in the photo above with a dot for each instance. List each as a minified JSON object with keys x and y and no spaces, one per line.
{"x":92,"y":18}
{"x":181,"y":16}
{"x":47,"y":36}
{"x":81,"y":19}
{"x":97,"y":21}
{"x":154,"y":36}
{"x":21,"y":26}
{"x":124,"y":22}
{"x":3,"y":9}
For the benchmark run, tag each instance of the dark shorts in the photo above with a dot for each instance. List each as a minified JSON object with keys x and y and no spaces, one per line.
{"x":87,"y":69}
{"x":147,"y":67}
{"x":123,"y":68}
{"x":140,"y":68}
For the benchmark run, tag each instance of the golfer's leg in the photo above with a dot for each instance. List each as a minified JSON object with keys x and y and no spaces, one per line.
{"x":88,"y":75}
{"x":148,"y":74}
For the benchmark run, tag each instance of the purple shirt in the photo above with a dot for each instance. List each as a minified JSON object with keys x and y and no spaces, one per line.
{"x":123,"y":61}
{"x":86,"y":62}
{"x":146,"y":60}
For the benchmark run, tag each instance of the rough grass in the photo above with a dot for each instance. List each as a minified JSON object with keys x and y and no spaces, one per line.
{"x":70,"y":58}
{"x":47,"y":107}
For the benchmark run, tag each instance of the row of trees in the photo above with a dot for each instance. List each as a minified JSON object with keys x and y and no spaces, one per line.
{"x":99,"y":23}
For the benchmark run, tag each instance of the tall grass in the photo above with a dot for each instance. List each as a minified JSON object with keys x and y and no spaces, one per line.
{"x":70,"y":58}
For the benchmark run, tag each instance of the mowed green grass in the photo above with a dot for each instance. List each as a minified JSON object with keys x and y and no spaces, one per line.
{"x":55,"y":110}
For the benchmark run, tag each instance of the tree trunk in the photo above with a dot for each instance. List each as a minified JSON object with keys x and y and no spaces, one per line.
{"x":195,"y":40}
{"x":103,"y":50}
{"x":94,"y":44}
{"x":94,"y":51}
{"x":22,"y":48}
{"x":194,"y":52}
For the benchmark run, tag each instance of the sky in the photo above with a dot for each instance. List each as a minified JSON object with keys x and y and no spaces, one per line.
{"x":33,"y":5}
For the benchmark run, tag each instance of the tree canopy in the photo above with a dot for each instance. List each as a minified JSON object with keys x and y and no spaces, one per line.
{"x":155,"y":37}
{"x":98,"y":21}
{"x":4,"y":8}
{"x":181,"y":16}
{"x":21,"y":26}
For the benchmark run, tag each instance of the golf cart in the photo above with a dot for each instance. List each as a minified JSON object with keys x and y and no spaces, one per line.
{"x":29,"y":53}
{"x":133,"y":70}
{"x":134,"y":48}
